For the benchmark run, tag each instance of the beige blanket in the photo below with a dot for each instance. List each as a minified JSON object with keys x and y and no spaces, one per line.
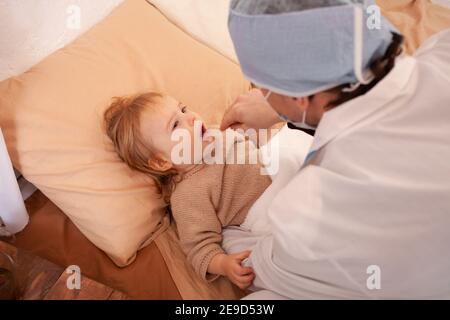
{"x":417,"y":20}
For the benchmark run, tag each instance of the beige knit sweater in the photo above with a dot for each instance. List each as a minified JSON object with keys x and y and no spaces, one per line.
{"x":208,"y":198}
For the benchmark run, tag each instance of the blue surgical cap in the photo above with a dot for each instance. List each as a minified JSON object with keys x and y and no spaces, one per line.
{"x":299,"y":48}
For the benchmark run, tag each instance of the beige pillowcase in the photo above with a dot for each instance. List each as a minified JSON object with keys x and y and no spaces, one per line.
{"x":51,"y":117}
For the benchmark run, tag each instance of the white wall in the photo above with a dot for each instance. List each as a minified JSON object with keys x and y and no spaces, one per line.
{"x":30,"y":30}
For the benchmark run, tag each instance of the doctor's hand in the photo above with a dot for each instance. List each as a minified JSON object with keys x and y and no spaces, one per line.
{"x":250,"y":110}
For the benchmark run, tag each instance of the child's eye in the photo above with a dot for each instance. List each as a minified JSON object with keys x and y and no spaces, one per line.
{"x":184,"y":109}
{"x":175,"y":124}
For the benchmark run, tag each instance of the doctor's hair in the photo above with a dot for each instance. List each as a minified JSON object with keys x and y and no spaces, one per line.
{"x":380,"y":67}
{"x":122,"y":125}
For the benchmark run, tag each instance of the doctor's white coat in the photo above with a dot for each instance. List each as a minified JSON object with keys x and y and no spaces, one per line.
{"x":369,"y":215}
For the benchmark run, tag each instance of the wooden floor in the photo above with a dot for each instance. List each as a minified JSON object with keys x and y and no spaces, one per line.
{"x":37,"y":278}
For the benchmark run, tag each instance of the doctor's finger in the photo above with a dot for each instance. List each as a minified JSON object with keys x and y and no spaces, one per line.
{"x":237,"y":126}
{"x":232,"y":116}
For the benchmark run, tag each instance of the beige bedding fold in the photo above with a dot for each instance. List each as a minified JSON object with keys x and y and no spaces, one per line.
{"x":416,"y":19}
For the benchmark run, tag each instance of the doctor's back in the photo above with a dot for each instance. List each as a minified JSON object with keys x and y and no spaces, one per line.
{"x":369,"y":215}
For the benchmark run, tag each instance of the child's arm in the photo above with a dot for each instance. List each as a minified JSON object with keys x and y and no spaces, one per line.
{"x":199,"y":228}
{"x":200,"y":232}
{"x":230,"y":266}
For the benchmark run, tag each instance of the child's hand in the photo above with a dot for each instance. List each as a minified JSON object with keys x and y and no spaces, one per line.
{"x":239,"y":275}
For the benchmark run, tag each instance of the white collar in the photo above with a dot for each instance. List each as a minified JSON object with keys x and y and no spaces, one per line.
{"x":343,"y":117}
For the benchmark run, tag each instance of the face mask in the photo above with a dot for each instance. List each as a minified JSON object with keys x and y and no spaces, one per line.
{"x":298,"y":125}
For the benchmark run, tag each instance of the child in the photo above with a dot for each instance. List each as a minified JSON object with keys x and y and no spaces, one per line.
{"x":204,"y":198}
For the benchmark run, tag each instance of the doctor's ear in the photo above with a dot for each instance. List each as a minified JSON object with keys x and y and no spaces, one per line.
{"x":302,"y":102}
{"x":159,"y":164}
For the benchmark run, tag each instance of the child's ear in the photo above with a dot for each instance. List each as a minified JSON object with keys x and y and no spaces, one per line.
{"x":159,"y":164}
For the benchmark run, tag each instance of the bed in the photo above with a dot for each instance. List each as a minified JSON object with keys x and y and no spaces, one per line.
{"x":160,"y":270}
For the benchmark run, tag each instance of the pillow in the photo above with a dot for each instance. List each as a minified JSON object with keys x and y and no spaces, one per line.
{"x":31,"y":30}
{"x":205,"y":20}
{"x":51,"y":117}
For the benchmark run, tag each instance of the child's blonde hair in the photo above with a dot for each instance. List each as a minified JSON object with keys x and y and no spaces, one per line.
{"x":122,"y":125}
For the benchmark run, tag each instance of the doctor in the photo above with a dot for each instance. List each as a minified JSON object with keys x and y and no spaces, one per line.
{"x":368,"y":213}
